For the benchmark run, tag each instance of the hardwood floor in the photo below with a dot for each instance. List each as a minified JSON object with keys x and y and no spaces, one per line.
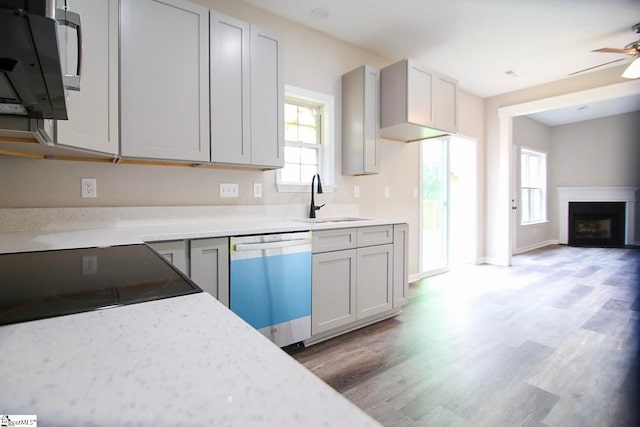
{"x":551,"y":341}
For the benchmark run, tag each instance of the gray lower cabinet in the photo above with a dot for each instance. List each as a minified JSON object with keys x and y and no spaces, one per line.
{"x":205,"y":261}
{"x":354,"y":276}
{"x":333,"y":291}
{"x":400,"y":265}
{"x":374,"y":280}
{"x":175,"y":252}
{"x":210,"y":266}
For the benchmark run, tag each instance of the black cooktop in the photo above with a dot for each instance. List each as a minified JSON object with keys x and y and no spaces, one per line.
{"x":37,"y":285}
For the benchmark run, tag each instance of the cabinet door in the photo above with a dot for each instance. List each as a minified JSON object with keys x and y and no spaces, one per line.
{"x":165,"y":80}
{"x":420,"y":83}
{"x":230,"y":90}
{"x":267,"y":100}
{"x":360,"y":121}
{"x":175,"y":252}
{"x":400,"y":265}
{"x":375,"y":280}
{"x":210,"y":267}
{"x":446,"y":104}
{"x":333,"y":290}
{"x":92,"y":111}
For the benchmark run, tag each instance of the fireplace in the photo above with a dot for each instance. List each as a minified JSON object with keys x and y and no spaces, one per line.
{"x":597,"y":224}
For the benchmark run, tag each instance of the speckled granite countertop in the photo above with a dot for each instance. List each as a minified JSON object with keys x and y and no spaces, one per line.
{"x":179,"y":361}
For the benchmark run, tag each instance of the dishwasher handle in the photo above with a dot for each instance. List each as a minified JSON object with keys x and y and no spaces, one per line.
{"x":271,"y":245}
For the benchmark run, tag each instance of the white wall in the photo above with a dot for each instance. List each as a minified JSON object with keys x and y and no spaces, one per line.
{"x":528,"y":133}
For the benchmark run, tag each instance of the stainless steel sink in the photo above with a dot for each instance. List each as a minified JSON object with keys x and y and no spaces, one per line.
{"x":325,"y":220}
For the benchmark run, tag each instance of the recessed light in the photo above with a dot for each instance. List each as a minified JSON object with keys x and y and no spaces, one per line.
{"x":583,"y":108}
{"x":511,"y":73}
{"x":320,"y":13}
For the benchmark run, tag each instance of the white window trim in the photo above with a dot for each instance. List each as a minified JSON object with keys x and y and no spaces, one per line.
{"x":327,"y":172}
{"x":545,"y":216}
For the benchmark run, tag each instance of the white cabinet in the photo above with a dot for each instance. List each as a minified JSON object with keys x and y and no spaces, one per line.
{"x":416,"y":103}
{"x":360,"y":121}
{"x":247,"y":94}
{"x":93,"y":110}
{"x":164,"y":73}
{"x":400,"y":265}
{"x":210,"y":266}
{"x":333,"y":290}
{"x":175,"y":252}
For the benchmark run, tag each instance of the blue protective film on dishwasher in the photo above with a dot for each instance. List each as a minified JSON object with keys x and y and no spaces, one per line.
{"x":270,"y":290}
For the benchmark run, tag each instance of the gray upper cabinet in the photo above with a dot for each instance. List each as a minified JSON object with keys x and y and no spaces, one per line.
{"x":230,"y":95}
{"x":164,"y":80}
{"x":93,"y":110}
{"x":247,"y":94}
{"x":360,"y":121}
{"x":416,"y":103}
{"x":267,"y":99}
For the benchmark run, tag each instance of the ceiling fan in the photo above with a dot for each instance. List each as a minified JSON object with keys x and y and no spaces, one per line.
{"x":633,"y":49}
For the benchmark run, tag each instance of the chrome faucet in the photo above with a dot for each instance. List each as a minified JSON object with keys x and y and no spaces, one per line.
{"x":314,"y":208}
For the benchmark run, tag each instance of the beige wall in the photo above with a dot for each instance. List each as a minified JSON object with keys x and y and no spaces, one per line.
{"x":602,"y":152}
{"x":313,"y":61}
{"x":497,"y":207}
{"x":528,"y":133}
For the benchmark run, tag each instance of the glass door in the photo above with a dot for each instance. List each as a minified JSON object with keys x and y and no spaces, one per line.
{"x":435,"y":196}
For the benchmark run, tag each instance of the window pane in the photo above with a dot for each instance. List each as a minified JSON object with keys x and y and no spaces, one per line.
{"x":307,"y":116}
{"x":536,"y":205}
{"x":534,"y":171}
{"x":290,"y":113}
{"x":290,"y":132}
{"x":525,"y":205}
{"x":524,"y":170}
{"x":292,"y":154}
{"x":308,"y":135}
{"x":309,"y":156}
{"x":307,"y":172}
{"x":290,"y":172}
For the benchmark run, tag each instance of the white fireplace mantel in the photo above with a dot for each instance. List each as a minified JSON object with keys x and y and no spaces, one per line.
{"x":596,"y":194}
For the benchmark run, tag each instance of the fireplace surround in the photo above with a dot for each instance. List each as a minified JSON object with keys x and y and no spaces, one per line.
{"x":626,"y":195}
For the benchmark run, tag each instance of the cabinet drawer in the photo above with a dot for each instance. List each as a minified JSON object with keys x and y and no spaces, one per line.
{"x":378,"y":235}
{"x":333,"y":240}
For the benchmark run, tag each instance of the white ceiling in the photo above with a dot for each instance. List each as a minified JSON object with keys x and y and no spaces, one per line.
{"x":588,"y":111}
{"x":477,"y":41}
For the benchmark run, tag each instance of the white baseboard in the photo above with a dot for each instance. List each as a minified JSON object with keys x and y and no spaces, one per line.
{"x":416,"y":276}
{"x":535,"y":246}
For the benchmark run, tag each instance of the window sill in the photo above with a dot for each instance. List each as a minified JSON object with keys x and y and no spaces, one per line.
{"x":526,"y":224}
{"x":302,"y":188}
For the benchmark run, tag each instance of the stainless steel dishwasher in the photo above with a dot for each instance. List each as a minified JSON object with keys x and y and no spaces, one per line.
{"x":270,"y":284}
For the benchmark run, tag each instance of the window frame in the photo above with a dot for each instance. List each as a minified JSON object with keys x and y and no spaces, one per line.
{"x":541,"y":188}
{"x":326,"y":150}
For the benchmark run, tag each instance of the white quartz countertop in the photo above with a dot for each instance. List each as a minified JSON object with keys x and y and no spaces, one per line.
{"x":25,"y":241}
{"x":180,"y":361}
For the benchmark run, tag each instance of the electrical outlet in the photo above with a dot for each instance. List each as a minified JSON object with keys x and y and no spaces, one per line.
{"x":387,"y":192}
{"x":89,"y":188}
{"x":257,"y":190}
{"x":229,"y":190}
{"x":356,"y":191}
{"x":89,"y":265}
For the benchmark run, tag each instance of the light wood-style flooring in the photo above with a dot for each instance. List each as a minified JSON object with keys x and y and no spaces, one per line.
{"x":551,"y":341}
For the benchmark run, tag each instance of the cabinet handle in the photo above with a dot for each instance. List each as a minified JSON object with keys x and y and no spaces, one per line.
{"x":72,"y":20}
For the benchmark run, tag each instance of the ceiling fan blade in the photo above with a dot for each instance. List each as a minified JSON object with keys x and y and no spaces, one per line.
{"x":613,"y":50}
{"x":601,"y":65}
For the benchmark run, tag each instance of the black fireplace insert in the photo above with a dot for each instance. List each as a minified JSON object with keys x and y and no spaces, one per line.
{"x":597,"y":224}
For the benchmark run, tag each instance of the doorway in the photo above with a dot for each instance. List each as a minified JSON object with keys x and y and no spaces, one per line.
{"x":448,"y":209}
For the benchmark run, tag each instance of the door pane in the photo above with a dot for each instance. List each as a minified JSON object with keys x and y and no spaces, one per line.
{"x":434,"y":204}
